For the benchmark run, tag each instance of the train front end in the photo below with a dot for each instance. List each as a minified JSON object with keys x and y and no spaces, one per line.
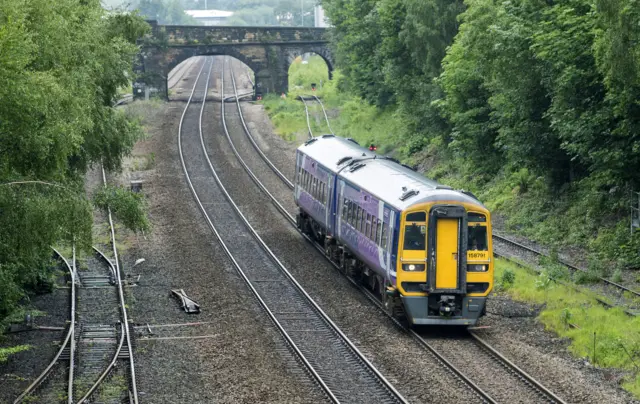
{"x":445,"y":263}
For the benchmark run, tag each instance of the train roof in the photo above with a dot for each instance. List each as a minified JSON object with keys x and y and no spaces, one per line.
{"x":385,"y":178}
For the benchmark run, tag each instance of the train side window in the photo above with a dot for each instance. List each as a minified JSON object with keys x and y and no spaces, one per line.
{"x":384,"y":236}
{"x":352,"y":215}
{"x":305,"y":178}
{"x":367,"y":231}
{"x":378,"y":232}
{"x":314,"y":187}
{"x":324,"y":192}
{"x":359,"y":220}
{"x":345,"y":206}
{"x":373,"y":228}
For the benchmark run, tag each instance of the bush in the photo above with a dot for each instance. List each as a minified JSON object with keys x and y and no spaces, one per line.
{"x":507,"y":278}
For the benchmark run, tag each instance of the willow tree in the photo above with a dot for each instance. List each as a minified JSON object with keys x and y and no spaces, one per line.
{"x":61,"y":65}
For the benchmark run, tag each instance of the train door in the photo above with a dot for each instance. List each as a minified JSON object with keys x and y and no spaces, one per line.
{"x":447,"y":236}
{"x":447,"y":249}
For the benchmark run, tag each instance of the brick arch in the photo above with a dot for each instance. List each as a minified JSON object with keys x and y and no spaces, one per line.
{"x":321,"y":50}
{"x":268,"y":51}
{"x":185,"y":54}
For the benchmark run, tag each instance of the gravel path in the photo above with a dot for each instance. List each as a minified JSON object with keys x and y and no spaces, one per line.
{"x":568,"y":377}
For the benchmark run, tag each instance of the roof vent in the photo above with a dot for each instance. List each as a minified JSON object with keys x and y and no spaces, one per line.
{"x":308,"y":142}
{"x":343,"y":160}
{"x":352,"y":140}
{"x":357,"y":167}
{"x":408,"y":194}
{"x":326,"y":136}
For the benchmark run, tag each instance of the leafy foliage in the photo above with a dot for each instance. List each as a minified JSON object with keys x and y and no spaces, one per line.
{"x":532,"y":104}
{"x":62,"y":63}
{"x":127,"y":206}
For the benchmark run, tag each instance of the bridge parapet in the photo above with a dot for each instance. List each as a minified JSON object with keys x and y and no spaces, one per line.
{"x":173,"y":35}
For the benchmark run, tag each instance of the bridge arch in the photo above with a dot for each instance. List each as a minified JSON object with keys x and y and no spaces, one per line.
{"x":268,"y":51}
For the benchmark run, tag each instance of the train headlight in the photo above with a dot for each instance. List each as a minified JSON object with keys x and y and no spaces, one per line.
{"x":477,"y":268}
{"x":413,"y":267}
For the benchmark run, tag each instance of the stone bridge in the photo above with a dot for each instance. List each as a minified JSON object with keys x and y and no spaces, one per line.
{"x":268,"y":51}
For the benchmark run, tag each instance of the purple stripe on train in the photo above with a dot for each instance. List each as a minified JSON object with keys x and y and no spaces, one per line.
{"x":311,"y":206}
{"x":366,"y":249}
{"x":365,"y":200}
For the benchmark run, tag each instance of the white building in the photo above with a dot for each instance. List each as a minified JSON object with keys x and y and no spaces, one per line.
{"x":210,"y":17}
{"x":320,"y":19}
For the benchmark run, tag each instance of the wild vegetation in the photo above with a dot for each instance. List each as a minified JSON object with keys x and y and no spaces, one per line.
{"x":606,"y":337}
{"x":531,"y":104}
{"x":61,"y":66}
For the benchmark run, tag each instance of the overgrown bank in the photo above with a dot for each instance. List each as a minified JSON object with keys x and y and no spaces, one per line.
{"x":571,"y":314}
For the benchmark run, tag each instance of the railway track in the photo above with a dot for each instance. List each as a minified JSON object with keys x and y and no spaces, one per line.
{"x":444,"y":354}
{"x":64,"y":351}
{"x":342,"y":372}
{"x":97,"y":337}
{"x":306,"y":110}
{"x":537,"y":254}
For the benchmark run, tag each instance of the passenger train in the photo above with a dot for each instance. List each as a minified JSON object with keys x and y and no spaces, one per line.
{"x":424,"y":248}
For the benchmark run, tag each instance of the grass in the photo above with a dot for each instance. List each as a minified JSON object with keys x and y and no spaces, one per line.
{"x":616,"y":335}
{"x":349,"y":116}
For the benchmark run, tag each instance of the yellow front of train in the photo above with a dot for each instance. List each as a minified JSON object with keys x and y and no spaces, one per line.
{"x":445,"y":263}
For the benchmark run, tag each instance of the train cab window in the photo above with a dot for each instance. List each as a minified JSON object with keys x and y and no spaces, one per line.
{"x":415,"y":236}
{"x":417,"y":217}
{"x":477,"y":238}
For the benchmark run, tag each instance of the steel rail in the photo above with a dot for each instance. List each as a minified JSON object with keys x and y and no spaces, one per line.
{"x":485,"y":396}
{"x":332,"y":326}
{"x":250,"y":137}
{"x":566,"y":264}
{"x":72,"y":346}
{"x":123,"y":306}
{"x":111,"y":365}
{"x":227,"y":250}
{"x":326,"y":118}
{"x":535,"y":384}
{"x":306,"y":110}
{"x":68,"y":336}
{"x":114,"y":360}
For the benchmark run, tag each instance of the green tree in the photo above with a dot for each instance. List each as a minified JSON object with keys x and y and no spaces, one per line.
{"x":62,"y":63}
